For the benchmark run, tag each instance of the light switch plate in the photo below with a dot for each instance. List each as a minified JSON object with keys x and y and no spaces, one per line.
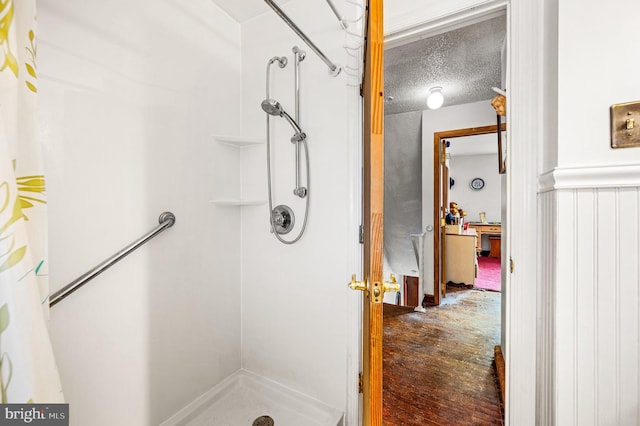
{"x":625,"y":125}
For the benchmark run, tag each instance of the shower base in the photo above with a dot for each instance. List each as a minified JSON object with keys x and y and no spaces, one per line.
{"x":243,"y":397}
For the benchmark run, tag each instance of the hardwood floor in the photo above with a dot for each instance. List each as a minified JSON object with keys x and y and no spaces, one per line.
{"x":438,"y":365}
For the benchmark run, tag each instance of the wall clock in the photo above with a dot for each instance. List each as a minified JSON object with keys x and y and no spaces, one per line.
{"x":477,"y":184}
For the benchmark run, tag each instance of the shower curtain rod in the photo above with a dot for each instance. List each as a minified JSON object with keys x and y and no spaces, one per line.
{"x":334,"y":69}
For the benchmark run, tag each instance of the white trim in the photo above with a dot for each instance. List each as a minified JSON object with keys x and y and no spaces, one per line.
{"x":618,"y":176}
{"x":525,"y":124}
{"x":354,"y":298}
{"x":410,"y":32}
{"x":353,"y":410}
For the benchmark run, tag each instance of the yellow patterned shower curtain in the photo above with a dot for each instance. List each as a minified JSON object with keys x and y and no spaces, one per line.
{"x":28,"y":370}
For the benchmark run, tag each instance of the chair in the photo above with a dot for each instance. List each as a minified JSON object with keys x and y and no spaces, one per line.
{"x":495,"y":242}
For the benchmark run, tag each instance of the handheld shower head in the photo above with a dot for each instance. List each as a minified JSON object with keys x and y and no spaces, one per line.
{"x":273,"y":107}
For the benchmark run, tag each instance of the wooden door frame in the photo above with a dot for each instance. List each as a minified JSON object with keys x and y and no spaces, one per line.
{"x":437,"y":193}
{"x":372,"y":90}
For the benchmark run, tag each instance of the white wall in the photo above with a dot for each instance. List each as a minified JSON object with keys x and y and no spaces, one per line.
{"x":129,"y":95}
{"x":294,"y":297}
{"x":548,"y":156}
{"x":463,"y":169}
{"x":592,"y":77}
{"x":475,"y":114}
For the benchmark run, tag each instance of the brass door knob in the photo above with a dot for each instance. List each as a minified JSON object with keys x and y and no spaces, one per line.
{"x":359,"y":285}
{"x":392,"y":286}
{"x":377,"y":289}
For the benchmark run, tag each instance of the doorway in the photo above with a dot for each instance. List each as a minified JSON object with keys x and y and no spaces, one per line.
{"x":467,"y":208}
{"x":395,"y":259}
{"x":525,"y":114}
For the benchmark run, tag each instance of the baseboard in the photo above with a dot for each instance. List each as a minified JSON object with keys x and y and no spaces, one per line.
{"x":499,"y":364}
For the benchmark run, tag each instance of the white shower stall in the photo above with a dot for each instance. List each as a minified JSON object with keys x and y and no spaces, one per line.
{"x":132,"y":96}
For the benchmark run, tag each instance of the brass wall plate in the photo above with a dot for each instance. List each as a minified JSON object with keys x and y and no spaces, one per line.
{"x":625,"y":125}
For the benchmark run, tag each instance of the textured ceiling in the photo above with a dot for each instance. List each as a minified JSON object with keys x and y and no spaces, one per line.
{"x":465,"y":62}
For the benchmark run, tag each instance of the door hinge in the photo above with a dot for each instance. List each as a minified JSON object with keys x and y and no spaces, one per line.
{"x":360,"y":385}
{"x":511,"y":264}
{"x":361,"y":234}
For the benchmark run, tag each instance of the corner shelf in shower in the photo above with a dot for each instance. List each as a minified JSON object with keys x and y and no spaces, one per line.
{"x":239,"y":141}
{"x":231,"y":202}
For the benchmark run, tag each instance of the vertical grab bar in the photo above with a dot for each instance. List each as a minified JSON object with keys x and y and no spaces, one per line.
{"x":166,"y":220}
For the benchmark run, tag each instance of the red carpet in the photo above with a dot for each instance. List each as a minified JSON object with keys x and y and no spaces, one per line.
{"x":488,"y":273}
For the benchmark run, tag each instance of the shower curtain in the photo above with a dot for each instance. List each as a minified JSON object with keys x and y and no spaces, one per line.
{"x":28,"y":372}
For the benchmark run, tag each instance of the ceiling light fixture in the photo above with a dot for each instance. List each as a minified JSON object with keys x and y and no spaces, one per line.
{"x":435,"y":99}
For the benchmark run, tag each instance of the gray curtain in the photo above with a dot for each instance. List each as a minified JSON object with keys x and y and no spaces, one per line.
{"x":402,"y":189}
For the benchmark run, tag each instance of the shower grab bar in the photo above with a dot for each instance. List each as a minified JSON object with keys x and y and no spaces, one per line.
{"x":335,"y":69}
{"x":166,"y":220}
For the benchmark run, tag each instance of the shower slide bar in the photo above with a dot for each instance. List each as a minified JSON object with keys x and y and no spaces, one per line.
{"x":333,"y":68}
{"x":166,"y":220}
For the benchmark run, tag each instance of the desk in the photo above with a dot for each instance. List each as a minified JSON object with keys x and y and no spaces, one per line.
{"x":485,"y":229}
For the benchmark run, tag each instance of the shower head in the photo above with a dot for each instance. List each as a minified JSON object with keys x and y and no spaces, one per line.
{"x":282,"y":61}
{"x":273,"y":107}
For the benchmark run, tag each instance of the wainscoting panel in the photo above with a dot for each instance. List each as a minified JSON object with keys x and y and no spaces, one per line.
{"x":546,"y":309}
{"x":596,"y":308}
{"x":628,"y":273}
